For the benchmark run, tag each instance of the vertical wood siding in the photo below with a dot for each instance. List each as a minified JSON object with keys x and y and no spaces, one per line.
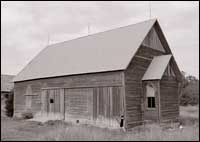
{"x":107,"y":102}
{"x":169,"y":98}
{"x":152,"y":40}
{"x":102,"y":81}
{"x":79,"y":103}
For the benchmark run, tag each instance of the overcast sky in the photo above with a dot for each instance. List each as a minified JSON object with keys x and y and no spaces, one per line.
{"x":25,"y":27}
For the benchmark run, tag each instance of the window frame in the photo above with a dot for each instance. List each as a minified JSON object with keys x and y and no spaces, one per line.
{"x":151,"y":102}
{"x":151,"y":96}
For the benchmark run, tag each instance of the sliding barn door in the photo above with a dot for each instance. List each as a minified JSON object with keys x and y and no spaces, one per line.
{"x":107,"y":103}
{"x":53,"y":102}
{"x":79,"y":104}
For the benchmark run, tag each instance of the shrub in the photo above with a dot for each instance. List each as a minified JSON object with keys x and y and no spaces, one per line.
{"x":190,"y":91}
{"x":50,"y":122}
{"x":190,"y":95}
{"x":189,"y":99}
{"x":27,"y":115}
{"x":9,"y":104}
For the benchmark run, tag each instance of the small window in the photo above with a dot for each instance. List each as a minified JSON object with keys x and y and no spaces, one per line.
{"x":51,"y":101}
{"x":151,"y":102}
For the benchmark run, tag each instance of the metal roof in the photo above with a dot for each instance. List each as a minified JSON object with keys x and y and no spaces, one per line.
{"x":157,"y":67}
{"x":6,"y":83}
{"x":106,"y":51}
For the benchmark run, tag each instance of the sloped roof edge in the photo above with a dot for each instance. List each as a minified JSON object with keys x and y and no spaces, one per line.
{"x":157,"y":67}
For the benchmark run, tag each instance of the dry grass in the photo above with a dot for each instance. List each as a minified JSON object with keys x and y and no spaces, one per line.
{"x":189,"y":111}
{"x":152,"y":132}
{"x":59,"y":131}
{"x":189,"y":115}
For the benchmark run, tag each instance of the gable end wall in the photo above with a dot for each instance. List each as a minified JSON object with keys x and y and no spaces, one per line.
{"x":133,"y":84}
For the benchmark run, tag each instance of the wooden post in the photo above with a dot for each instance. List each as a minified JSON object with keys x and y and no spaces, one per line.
{"x":123,"y":96}
{"x":47,"y":101}
{"x":143,"y":101}
{"x":111,"y":102}
{"x":179,"y":96}
{"x":159,"y":111}
{"x":90,"y":101}
{"x":97,"y":102}
{"x":62,"y":103}
{"x":42,"y":102}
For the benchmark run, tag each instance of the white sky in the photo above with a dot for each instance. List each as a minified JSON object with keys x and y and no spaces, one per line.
{"x":25,"y":27}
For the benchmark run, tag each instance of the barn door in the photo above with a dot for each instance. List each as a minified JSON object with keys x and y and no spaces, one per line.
{"x":53,"y":102}
{"x":79,"y":104}
{"x":107,"y":103}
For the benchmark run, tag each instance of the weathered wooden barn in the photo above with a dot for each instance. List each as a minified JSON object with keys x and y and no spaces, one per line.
{"x":126,"y":73}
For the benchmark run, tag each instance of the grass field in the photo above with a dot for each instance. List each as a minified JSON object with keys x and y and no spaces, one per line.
{"x":29,"y":130}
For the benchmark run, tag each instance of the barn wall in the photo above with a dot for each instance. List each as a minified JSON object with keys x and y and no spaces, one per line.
{"x":33,"y":88}
{"x":109,"y":103}
{"x":79,"y":103}
{"x":133,"y":84}
{"x":102,"y":105}
{"x":169,"y":98}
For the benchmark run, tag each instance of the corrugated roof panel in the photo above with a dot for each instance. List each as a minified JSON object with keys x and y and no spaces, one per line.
{"x":105,"y":51}
{"x":157,"y":67}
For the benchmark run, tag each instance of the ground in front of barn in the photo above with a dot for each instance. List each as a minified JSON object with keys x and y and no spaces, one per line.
{"x":15,"y":129}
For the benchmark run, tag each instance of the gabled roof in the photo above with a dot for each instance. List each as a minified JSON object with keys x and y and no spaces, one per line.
{"x":6,"y":83}
{"x":106,"y":51}
{"x":157,"y":67}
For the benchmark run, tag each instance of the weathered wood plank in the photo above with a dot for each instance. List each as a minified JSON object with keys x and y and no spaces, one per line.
{"x":76,"y":81}
{"x":169,"y":98}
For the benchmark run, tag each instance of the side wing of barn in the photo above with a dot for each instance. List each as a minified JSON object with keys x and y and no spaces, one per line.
{"x":141,"y":105}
